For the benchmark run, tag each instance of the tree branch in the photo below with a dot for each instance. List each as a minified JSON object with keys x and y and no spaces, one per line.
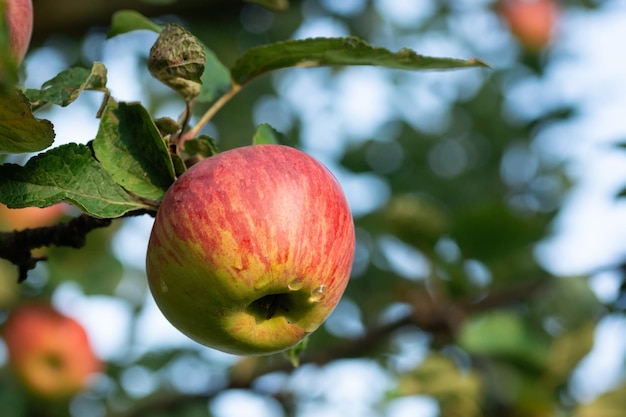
{"x":244,"y":374}
{"x":78,"y":17}
{"x":17,"y":246}
{"x":439,"y":319}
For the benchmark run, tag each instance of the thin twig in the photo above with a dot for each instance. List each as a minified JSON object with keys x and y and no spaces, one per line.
{"x":212,"y":111}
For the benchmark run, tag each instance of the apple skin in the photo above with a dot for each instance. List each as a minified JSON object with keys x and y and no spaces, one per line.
{"x":50,"y":352}
{"x":532,"y":22}
{"x":251,"y":249}
{"x":19,"y":15}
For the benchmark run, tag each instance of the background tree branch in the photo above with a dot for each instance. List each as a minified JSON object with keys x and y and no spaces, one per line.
{"x":17,"y":246}
{"x":77,"y":17}
{"x":442,"y":321}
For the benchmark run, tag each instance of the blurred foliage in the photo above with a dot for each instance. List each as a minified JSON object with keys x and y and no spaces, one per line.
{"x":447,"y":300}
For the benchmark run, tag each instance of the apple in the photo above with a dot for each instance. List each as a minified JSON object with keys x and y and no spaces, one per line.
{"x":50,"y":352}
{"x":532,"y":22}
{"x":251,"y":249}
{"x":19,"y":16}
{"x":30,"y":217}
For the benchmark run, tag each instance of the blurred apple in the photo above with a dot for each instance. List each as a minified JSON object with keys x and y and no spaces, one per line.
{"x":19,"y":15}
{"x":532,"y":22}
{"x":251,"y":249}
{"x":50,"y":352}
{"x":30,"y":217}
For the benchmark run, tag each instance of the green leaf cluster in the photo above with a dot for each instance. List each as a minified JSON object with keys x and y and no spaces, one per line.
{"x":131,"y":162}
{"x":63,"y":89}
{"x":68,"y":173}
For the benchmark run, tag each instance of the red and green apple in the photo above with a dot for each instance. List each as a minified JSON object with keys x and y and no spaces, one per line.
{"x":251,"y":249}
{"x":31,"y":217}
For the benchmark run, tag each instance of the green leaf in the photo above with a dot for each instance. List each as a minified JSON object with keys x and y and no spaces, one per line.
{"x":295,"y":353}
{"x":503,"y":334}
{"x":275,"y":5}
{"x":63,"y":89}
{"x":177,"y":59}
{"x":20,"y":131}
{"x":202,"y":145}
{"x":131,"y":149}
{"x":125,"y":21}
{"x":334,"y":51}
{"x":166,"y":125}
{"x":490,"y":230}
{"x":266,"y":134}
{"x":215,"y":79}
{"x":68,"y":173}
{"x":179,"y":165}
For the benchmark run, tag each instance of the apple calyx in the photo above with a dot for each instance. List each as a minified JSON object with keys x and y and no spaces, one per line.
{"x":274,"y":304}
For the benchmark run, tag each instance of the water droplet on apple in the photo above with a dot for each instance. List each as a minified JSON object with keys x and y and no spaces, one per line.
{"x":318,"y":294}
{"x":163,"y":286}
{"x":295,"y":285}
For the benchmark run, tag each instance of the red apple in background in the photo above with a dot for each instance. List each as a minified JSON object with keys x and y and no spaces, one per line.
{"x":532,"y":22}
{"x":30,"y":217}
{"x":19,"y":15}
{"x":251,"y":249}
{"x":50,"y":352}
